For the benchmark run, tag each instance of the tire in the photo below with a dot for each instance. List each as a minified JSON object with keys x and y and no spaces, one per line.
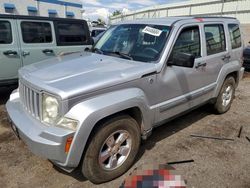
{"x":100,"y":171}
{"x":226,"y":96}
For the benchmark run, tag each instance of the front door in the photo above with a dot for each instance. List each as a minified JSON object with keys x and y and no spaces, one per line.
{"x":180,"y":87}
{"x":10,"y":60}
{"x":37,"y":40}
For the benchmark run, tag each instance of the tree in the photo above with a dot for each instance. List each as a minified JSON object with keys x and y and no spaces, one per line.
{"x":116,"y":13}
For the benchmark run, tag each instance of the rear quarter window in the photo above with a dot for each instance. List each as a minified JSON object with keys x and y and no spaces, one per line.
{"x":5,"y":32}
{"x":235,"y":36}
{"x":71,"y":33}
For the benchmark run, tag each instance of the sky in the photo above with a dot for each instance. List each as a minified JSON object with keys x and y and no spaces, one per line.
{"x":95,"y":9}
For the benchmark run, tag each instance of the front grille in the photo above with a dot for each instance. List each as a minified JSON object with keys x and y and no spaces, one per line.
{"x":30,"y":99}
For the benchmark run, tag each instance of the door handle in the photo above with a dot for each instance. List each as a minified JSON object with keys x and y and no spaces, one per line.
{"x":10,"y":52}
{"x":226,"y":57}
{"x":24,"y":53}
{"x":48,"y":51}
{"x":200,"y":65}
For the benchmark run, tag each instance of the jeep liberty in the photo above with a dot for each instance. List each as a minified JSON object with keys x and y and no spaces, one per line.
{"x":93,"y":108}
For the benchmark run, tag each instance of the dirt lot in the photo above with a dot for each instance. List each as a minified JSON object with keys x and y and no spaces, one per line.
{"x":217,"y":163}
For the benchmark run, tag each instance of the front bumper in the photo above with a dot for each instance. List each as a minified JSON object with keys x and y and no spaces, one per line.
{"x":42,"y":140}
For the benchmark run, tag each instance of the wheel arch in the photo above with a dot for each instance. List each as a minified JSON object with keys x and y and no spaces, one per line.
{"x":98,"y":110}
{"x":133,"y":112}
{"x":230,"y":69}
{"x":235,"y":75}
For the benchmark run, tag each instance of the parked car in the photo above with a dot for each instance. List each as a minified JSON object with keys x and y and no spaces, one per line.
{"x":93,"y":109}
{"x":25,"y":40}
{"x":246,"y":58}
{"x":95,"y":31}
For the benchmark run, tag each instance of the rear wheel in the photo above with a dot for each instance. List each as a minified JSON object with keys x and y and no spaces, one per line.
{"x":112,"y":150}
{"x":226,"y":96}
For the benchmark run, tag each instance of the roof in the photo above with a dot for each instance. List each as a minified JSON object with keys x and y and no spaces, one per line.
{"x":160,"y":21}
{"x":12,"y":16}
{"x":172,"y":20}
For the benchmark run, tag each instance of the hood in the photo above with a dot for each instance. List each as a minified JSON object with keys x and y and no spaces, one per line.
{"x":82,"y":73}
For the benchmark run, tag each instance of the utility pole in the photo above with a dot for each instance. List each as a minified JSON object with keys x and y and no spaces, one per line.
{"x":222,"y":7}
{"x":236,"y":11}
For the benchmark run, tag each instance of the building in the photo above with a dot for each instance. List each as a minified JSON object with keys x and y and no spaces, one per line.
{"x":51,"y":8}
{"x":233,"y":8}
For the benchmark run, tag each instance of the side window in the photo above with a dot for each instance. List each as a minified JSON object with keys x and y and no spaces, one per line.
{"x":188,"y":42}
{"x":5,"y":32}
{"x":215,"y":38}
{"x":71,"y":33}
{"x":36,"y":32}
{"x":235,"y":37}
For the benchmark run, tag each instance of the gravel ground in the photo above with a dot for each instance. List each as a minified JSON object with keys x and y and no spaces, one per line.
{"x":217,"y":163}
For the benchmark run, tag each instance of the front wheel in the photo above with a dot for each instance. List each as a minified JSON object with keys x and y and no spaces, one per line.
{"x":112,"y":150}
{"x":226,"y":96}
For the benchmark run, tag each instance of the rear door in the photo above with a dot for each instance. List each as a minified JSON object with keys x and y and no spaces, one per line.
{"x":37,"y":40}
{"x":71,"y":36}
{"x":10,"y":60}
{"x":216,"y":51}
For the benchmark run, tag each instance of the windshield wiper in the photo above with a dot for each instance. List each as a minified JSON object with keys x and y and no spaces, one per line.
{"x":97,"y":50}
{"x":127,"y":56}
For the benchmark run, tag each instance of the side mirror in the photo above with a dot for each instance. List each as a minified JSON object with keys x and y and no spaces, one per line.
{"x":183,"y":59}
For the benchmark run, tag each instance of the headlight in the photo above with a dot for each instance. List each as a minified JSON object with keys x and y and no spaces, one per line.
{"x":50,"y":109}
{"x":51,"y":114}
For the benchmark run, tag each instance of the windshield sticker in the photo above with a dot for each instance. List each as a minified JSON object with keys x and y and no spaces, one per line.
{"x":152,"y":31}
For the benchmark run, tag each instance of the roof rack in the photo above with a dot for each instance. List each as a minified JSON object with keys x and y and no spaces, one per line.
{"x":227,"y":17}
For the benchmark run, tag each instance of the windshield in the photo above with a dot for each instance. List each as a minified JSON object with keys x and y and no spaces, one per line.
{"x":139,"y":42}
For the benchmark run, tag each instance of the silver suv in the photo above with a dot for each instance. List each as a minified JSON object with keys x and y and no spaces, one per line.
{"x":92,"y":108}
